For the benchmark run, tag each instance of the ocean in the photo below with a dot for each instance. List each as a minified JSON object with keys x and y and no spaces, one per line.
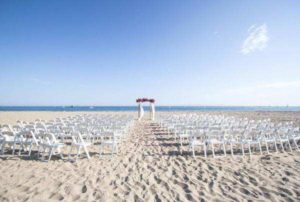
{"x":158,"y":108}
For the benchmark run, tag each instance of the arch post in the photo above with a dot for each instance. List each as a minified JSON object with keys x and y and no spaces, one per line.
{"x":152,"y":114}
{"x":140,"y":111}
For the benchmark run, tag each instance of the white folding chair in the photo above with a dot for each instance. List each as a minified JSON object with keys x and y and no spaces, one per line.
{"x":79,"y":143}
{"x":49,"y":142}
{"x":111,"y":142}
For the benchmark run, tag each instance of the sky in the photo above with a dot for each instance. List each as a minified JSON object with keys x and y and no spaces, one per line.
{"x":216,"y":53}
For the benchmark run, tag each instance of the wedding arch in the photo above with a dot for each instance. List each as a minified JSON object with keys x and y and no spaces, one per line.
{"x":140,"y":101}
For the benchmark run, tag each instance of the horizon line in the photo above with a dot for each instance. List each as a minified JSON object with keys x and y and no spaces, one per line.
{"x":147,"y":104}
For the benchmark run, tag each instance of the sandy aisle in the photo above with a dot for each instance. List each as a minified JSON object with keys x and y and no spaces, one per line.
{"x":149,"y":168}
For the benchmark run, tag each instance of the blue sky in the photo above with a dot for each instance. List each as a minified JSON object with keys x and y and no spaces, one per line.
{"x":178,"y":52}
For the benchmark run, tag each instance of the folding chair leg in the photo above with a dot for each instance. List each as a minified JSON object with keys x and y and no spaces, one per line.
{"x":282,"y":145}
{"x":260,"y":148}
{"x":87,"y":152}
{"x":30,"y":148}
{"x":70,"y":151}
{"x":249,"y":149}
{"x":117,"y":149}
{"x":275,"y":144}
{"x":267,"y":148}
{"x":45,"y":149}
{"x":213,"y":150}
{"x":78,"y":152}
{"x":113,"y":150}
{"x":38,"y":151}
{"x":243,"y":149}
{"x":224,"y":148}
{"x":21,"y":148}
{"x":296,"y":144}
{"x":50,"y":154}
{"x":205,"y":151}
{"x":231,"y":149}
{"x":193,"y":150}
{"x":2,"y":148}
{"x":19,"y":153}
{"x":100,"y":151}
{"x":290,"y":146}
{"x":14,"y":147}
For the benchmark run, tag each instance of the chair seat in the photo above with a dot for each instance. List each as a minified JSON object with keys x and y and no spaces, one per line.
{"x":60,"y":144}
{"x":183,"y":135}
{"x":197,"y":143}
{"x":82,"y":144}
{"x":9,"y":139}
{"x":270,"y":140}
{"x":28,"y":142}
{"x":296,"y":138}
{"x":56,"y":145}
{"x":231,"y":142}
{"x":215,"y":141}
{"x":108,"y":142}
{"x":253,"y":141}
{"x":118,"y":134}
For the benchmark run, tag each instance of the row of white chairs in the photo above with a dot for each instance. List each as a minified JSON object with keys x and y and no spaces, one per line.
{"x":210,"y":131}
{"x":79,"y":132}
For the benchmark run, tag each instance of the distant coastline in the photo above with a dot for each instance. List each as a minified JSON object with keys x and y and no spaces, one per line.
{"x":158,"y":108}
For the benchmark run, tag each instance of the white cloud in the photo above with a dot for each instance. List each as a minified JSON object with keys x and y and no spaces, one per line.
{"x":257,"y":39}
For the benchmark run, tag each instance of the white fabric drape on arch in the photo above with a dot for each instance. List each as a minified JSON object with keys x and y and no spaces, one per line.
{"x":152,"y":109}
{"x":141,"y":111}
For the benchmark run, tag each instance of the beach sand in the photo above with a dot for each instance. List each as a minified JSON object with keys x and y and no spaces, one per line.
{"x":149,"y":167}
